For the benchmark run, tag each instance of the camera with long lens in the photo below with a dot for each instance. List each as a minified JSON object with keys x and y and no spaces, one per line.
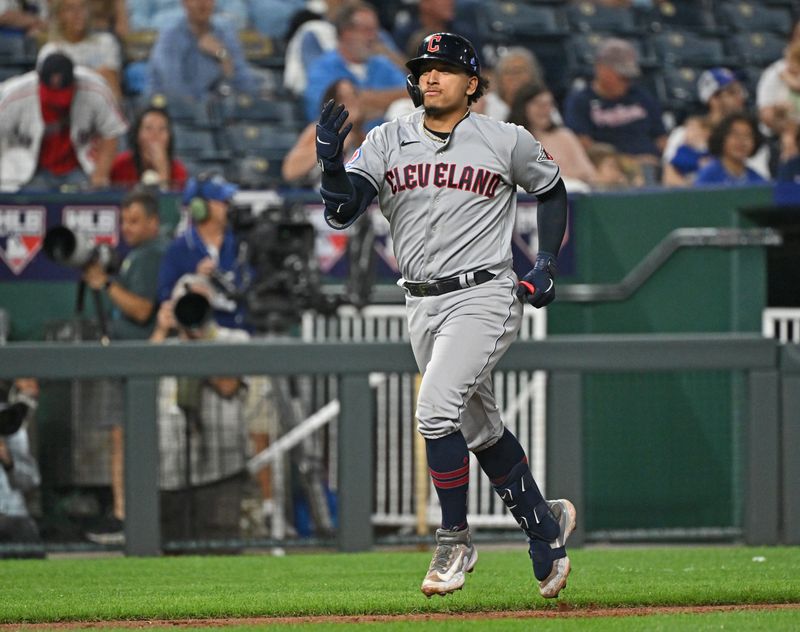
{"x":192,"y":311}
{"x":11,"y":417}
{"x":78,"y":250}
{"x":279,"y":242}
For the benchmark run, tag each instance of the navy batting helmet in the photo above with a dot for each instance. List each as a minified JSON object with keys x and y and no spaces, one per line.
{"x":448,"y":47}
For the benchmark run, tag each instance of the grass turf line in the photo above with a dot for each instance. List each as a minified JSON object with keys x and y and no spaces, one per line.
{"x":383,"y":583}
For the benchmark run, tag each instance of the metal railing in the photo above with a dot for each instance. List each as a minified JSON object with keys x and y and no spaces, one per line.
{"x":770,"y":488}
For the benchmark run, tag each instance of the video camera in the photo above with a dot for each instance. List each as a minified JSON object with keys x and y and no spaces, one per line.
{"x":78,"y":250}
{"x":279,"y":245}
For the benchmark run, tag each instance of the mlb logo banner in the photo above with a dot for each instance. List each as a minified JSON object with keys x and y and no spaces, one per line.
{"x":99,"y":222}
{"x":22,"y":230}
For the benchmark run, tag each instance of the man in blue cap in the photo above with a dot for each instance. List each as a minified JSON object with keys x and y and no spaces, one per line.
{"x":207,"y":247}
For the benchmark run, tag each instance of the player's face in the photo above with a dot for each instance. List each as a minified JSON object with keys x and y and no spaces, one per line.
{"x":136,"y":225}
{"x":445,"y":87}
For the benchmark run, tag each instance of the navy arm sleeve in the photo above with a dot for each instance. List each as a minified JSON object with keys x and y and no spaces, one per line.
{"x":551,"y":218}
{"x":346,"y":197}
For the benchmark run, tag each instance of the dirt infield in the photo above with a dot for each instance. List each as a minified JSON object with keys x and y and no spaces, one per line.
{"x":562,"y":610}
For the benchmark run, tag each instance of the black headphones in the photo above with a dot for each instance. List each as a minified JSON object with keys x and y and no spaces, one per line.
{"x":413,"y":90}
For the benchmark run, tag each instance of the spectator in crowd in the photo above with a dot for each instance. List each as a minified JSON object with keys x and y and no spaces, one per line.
{"x":274,"y":18}
{"x":209,"y":248}
{"x":613,"y":109}
{"x":150,"y":159}
{"x":22,"y":17}
{"x":690,"y":155}
{"x":534,"y":109}
{"x":735,"y":139}
{"x":58,"y":126}
{"x":790,"y":170}
{"x":431,"y":16}
{"x":613,"y":170}
{"x":515,"y":68}
{"x":132,"y":294}
{"x":19,"y":473}
{"x":778,"y":99}
{"x":157,"y":15}
{"x":200,"y":497}
{"x":300,"y":163}
{"x":722,"y":93}
{"x":70,"y":34}
{"x":194,"y":57}
{"x":110,"y":16}
{"x":379,"y":80}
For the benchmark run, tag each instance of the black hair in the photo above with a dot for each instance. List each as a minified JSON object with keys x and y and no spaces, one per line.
{"x":133,"y":136}
{"x":483,"y":86}
{"x":716,"y":142}
{"x":145,"y":197}
{"x":524,"y":94}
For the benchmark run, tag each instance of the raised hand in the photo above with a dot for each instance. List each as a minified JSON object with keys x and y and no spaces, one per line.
{"x":331,"y":136}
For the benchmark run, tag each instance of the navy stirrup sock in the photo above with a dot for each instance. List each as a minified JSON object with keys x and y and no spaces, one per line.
{"x":517,"y":488}
{"x":448,"y":461}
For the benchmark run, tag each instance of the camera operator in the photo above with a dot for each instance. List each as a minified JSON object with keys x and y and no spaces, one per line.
{"x":19,"y":473}
{"x":132,"y":294}
{"x":208,"y":248}
{"x":201,"y":495}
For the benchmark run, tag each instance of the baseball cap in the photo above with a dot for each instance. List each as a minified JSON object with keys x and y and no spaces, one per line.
{"x":712,"y":81}
{"x":620,"y":56}
{"x":57,"y":71}
{"x":209,"y":188}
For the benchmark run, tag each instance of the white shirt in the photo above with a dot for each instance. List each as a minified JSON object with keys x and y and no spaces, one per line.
{"x":94,"y":114}
{"x":98,"y":50}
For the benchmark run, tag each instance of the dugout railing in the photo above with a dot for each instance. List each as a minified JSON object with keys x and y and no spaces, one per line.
{"x":771,"y":482}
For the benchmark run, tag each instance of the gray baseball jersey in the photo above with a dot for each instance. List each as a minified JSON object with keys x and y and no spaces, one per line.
{"x":451,"y":206}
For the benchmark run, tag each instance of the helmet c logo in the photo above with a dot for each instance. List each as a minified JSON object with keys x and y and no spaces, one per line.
{"x":433,"y":43}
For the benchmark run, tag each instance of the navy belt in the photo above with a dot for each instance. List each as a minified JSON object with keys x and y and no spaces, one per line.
{"x":436,"y":288}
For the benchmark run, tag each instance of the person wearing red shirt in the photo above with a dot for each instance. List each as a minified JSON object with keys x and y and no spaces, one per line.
{"x":150,"y":160}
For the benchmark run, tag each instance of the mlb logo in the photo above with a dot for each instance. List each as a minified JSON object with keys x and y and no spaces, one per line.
{"x":22,"y":231}
{"x":101,"y":223}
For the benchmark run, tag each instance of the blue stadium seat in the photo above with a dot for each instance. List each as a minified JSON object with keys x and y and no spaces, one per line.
{"x":679,"y":89}
{"x":583,"y":47}
{"x":196,"y":143}
{"x":681,"y":15}
{"x":183,"y":111}
{"x":588,"y":17}
{"x":256,"y":172}
{"x":245,"y":108}
{"x":748,"y":17}
{"x":503,"y":20}
{"x":679,"y":48}
{"x":755,"y":48}
{"x":245,"y":139}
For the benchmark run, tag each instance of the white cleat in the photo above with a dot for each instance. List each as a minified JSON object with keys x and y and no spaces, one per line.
{"x":454,"y":556}
{"x":564,"y":512}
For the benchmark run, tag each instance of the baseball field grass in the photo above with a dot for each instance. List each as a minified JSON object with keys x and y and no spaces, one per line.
{"x":339,"y":591}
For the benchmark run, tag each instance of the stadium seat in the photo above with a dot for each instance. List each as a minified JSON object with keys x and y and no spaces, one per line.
{"x":757,"y":49}
{"x":245,"y":108}
{"x":256,"y":172}
{"x":679,"y":89}
{"x":138,"y":44}
{"x":258,"y":48}
{"x":680,"y":48}
{"x":589,"y":17}
{"x":748,"y":17}
{"x":689,"y":15}
{"x":503,"y":20}
{"x":245,"y":139}
{"x":582,"y":49}
{"x":185,"y":111}
{"x":17,"y":50}
{"x":196,"y":143}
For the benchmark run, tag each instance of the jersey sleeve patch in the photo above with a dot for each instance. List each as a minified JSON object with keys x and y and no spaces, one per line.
{"x":543,"y":155}
{"x":354,"y":158}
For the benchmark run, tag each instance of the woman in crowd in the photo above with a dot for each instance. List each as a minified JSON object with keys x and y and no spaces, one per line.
{"x":301,"y":161}
{"x":516,"y":67}
{"x":70,"y":33}
{"x":534,"y":109}
{"x":732,"y":142}
{"x":150,"y":159}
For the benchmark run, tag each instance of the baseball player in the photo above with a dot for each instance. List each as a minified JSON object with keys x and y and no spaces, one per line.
{"x":446,"y":180}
